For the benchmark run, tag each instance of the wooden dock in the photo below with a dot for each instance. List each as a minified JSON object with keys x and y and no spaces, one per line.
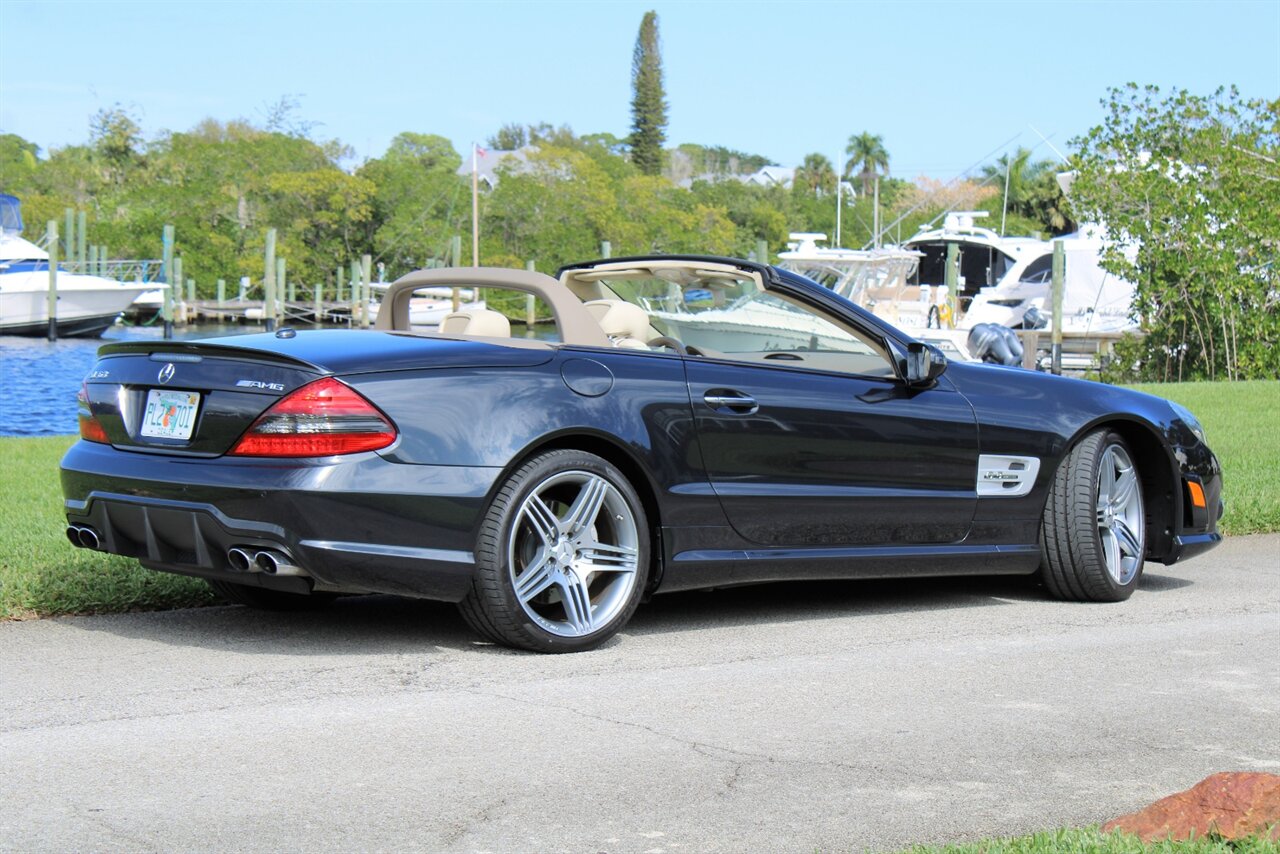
{"x":254,"y":311}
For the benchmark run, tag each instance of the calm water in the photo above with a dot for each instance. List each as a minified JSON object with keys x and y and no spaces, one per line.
{"x":39,"y":379}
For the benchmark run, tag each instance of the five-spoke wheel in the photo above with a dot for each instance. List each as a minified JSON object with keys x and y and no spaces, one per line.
{"x":1119,"y":511}
{"x":1093,"y":535}
{"x":562,"y":557}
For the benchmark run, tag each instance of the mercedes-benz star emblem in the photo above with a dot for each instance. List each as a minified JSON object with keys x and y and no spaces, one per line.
{"x":166,"y":373}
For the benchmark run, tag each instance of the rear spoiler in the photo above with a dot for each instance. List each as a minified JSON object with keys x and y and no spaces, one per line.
{"x":173,"y":351}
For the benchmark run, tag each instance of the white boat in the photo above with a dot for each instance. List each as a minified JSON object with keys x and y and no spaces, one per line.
{"x":1001,"y":280}
{"x":430,"y":306}
{"x":86,"y":305}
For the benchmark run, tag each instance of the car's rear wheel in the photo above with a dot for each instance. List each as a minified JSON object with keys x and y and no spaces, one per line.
{"x":1093,"y":535}
{"x":562,"y":555}
{"x":269,"y":600}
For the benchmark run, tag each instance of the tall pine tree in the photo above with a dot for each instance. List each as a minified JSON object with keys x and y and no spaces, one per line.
{"x":648,"y":99}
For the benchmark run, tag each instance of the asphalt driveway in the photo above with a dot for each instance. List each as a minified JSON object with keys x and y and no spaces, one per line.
{"x":834,"y":716}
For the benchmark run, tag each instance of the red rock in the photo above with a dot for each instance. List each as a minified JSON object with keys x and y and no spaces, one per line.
{"x":1230,"y":805}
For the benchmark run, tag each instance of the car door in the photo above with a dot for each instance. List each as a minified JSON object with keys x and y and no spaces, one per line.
{"x":809,"y":458}
{"x":809,"y":437}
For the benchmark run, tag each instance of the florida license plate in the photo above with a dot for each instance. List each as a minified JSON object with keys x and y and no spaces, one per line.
{"x":170,"y":414}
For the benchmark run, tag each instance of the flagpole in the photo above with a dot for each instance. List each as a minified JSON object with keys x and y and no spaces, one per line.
{"x":475,"y":208}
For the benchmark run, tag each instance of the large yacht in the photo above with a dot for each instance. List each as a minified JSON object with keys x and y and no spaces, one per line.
{"x":1000,"y":280}
{"x":87,"y":305}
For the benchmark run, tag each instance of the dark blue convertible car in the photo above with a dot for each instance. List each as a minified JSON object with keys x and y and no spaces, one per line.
{"x":683,"y":422}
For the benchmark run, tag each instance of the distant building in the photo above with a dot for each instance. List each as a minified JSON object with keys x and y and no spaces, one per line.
{"x":772,"y":176}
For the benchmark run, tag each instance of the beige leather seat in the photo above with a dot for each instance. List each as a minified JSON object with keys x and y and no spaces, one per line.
{"x":477,"y":323}
{"x":626,"y":324}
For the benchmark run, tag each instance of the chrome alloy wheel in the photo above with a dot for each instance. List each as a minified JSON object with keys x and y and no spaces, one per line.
{"x":573,"y":553}
{"x":1121,"y":524}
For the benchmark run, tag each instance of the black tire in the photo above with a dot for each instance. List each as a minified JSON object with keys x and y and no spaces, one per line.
{"x":510,"y":550}
{"x":1076,"y":555}
{"x":265,"y":599}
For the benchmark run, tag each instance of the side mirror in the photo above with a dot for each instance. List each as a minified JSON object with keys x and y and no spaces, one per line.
{"x":924,"y":363}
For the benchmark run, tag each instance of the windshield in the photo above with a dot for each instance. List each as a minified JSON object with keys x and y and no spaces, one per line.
{"x":730,"y":315}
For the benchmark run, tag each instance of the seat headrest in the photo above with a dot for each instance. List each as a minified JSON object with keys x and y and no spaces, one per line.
{"x":481,"y":322}
{"x":620,"y":319}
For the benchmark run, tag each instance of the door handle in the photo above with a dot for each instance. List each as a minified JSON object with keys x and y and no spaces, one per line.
{"x":734,"y":401}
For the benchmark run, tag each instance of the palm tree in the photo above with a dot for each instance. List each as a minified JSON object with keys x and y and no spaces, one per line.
{"x":866,"y":150}
{"x":816,"y":174}
{"x":1030,"y":188}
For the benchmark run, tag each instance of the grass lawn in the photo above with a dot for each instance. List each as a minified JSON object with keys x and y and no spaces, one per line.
{"x":1090,"y":841}
{"x":41,"y":574}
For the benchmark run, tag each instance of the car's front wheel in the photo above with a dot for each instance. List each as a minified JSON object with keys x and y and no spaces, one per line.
{"x":562,"y":556}
{"x":1093,"y":535}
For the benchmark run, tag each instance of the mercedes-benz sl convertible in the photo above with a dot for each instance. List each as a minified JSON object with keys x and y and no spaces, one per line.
{"x":682,"y":422}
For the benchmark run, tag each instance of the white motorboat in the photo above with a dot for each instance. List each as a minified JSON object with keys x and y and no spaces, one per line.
{"x":86,"y":305}
{"x":430,"y":306}
{"x":1001,"y":280}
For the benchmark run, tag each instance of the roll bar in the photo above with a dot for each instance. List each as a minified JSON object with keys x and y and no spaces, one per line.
{"x":575,"y":323}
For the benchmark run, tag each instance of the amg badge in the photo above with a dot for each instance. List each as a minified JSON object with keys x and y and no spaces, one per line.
{"x":259,"y":384}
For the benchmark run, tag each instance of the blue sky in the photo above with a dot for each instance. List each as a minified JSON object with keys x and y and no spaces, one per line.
{"x":946,"y":84}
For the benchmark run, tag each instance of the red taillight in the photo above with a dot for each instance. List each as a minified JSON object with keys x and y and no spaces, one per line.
{"x":322,"y":418}
{"x":90,"y":427}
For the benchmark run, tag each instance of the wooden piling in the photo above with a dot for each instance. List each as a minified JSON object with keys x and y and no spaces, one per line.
{"x":762,"y":251}
{"x":952,"y":278}
{"x":80,"y":240}
{"x":222,"y":294}
{"x":606,"y":249}
{"x":317,"y":296}
{"x":342,"y":282}
{"x":52,"y":304}
{"x":455,"y":260}
{"x":366,"y":272}
{"x":355,"y":293}
{"x":1058,"y":286}
{"x":167,"y":265}
{"x":530,"y":306}
{"x":269,"y":282}
{"x":179,"y":296}
{"x":69,"y":234}
{"x":92,"y":269}
{"x":282,"y":288}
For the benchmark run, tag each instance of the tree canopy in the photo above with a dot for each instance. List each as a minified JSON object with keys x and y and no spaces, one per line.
{"x":1186,"y":188}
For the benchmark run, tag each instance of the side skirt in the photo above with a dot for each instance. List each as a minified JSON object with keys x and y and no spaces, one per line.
{"x":691,"y":570}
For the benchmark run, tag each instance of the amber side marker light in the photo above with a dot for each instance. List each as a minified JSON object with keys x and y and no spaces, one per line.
{"x":91,"y":429}
{"x":320,"y":419}
{"x":1197,"y":493}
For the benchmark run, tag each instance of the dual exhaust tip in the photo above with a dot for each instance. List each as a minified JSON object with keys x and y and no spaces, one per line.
{"x":269,"y":561}
{"x":241,"y":558}
{"x":84,"y":537}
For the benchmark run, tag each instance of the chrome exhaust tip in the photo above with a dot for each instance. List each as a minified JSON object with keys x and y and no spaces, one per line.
{"x":73,"y":536}
{"x":276,"y":563}
{"x":240,"y":560}
{"x":89,"y":538}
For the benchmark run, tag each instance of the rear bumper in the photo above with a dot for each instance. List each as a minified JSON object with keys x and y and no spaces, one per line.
{"x":355,"y":524}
